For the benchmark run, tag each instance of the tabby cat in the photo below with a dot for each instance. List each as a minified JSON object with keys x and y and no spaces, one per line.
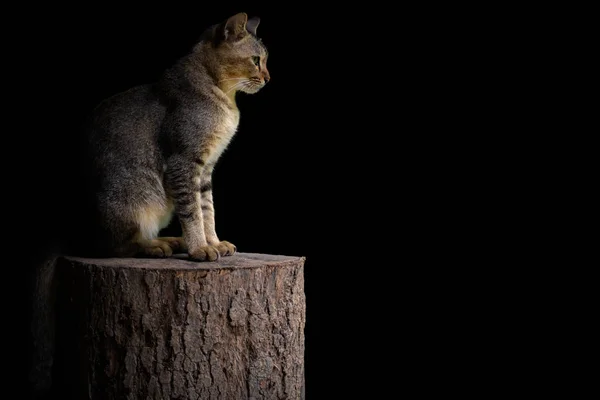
{"x":152,"y":149}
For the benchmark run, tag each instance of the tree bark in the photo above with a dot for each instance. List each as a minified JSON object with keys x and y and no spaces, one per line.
{"x":175,"y":329}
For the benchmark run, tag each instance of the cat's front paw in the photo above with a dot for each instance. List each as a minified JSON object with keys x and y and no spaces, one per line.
{"x":204,"y":253}
{"x":226,"y":249}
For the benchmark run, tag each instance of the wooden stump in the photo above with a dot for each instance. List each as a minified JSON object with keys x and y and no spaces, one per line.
{"x":175,"y":329}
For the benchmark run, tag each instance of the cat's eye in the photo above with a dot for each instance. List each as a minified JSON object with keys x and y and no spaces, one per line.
{"x":256,"y":60}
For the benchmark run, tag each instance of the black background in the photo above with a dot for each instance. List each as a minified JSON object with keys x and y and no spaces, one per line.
{"x":338,"y":159}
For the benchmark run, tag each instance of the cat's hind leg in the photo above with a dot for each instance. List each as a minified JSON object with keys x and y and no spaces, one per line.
{"x":177,"y":244}
{"x":139,"y":246}
{"x":149,"y":219}
{"x":153,"y":248}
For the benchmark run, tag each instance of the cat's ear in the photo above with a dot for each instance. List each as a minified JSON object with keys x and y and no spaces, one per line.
{"x":235,"y":27}
{"x":252,"y":24}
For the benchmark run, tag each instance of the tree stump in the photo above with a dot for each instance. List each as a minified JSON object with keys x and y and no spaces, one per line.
{"x":174,"y":329}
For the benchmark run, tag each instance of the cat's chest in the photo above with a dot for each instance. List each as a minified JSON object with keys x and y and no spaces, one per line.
{"x":224,"y":131}
{"x":229,"y":124}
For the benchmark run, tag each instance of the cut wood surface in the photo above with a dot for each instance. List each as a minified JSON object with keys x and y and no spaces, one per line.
{"x":131,"y":328}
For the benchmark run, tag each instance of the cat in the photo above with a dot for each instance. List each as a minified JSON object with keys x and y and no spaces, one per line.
{"x":152,"y":149}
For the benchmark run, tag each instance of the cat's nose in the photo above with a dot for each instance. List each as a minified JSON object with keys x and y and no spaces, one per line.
{"x":267,"y":78}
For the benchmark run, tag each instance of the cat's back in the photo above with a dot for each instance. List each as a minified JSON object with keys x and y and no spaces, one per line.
{"x":136,"y":112}
{"x":124,"y":127}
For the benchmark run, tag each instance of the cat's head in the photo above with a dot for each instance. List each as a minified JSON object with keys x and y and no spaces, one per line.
{"x":240,"y":57}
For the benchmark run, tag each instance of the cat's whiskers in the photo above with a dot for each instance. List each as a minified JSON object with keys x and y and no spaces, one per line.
{"x":231,"y":79}
{"x":237,"y":86}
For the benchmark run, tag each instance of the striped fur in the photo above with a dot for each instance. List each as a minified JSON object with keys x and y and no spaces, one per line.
{"x":153,"y":148}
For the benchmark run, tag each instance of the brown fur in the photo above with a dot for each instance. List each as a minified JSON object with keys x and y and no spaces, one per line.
{"x":154,"y":147}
